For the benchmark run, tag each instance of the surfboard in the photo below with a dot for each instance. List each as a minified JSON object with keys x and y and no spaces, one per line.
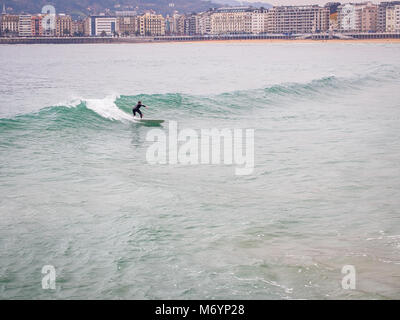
{"x":148,"y":121}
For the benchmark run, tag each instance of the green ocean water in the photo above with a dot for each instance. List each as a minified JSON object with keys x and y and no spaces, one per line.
{"x":77,"y":192}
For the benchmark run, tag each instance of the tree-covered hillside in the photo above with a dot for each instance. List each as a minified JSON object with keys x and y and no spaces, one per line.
{"x":85,"y":7}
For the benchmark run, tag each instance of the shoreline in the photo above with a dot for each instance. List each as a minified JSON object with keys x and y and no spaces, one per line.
{"x":185,"y":40}
{"x":295,"y":40}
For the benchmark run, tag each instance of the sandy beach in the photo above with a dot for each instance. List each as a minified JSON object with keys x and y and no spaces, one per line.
{"x":109,"y":40}
{"x":297,"y":41}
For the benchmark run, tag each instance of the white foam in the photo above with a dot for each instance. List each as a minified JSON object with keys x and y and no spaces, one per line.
{"x":72,"y":103}
{"x":107,"y":108}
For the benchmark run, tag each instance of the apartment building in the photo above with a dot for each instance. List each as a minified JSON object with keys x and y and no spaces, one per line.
{"x":390,"y":19}
{"x":128,"y":25}
{"x":358,"y":17}
{"x":381,"y":16}
{"x":298,"y":19}
{"x":63,"y":25}
{"x":191,"y":24}
{"x":100,"y":26}
{"x":9,"y":24}
{"x":106,"y":26}
{"x":333,"y":21}
{"x":168,"y":24}
{"x":397,"y":17}
{"x":78,"y":28}
{"x":3,"y":13}
{"x":37,"y":26}
{"x":205,"y":22}
{"x":333,"y":15}
{"x":393,"y":18}
{"x":259,"y":21}
{"x":177,"y":26}
{"x":25,"y":25}
{"x":151,"y":24}
{"x":233,"y":20}
{"x":349,"y":17}
{"x":369,"y":17}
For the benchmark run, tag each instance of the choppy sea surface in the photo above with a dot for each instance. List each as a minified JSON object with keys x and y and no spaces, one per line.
{"x":77,"y":193}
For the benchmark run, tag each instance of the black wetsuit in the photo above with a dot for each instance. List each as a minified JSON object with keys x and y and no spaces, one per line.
{"x":137,"y":109}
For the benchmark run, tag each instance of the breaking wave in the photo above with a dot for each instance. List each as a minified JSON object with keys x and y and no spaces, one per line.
{"x":115,"y":108}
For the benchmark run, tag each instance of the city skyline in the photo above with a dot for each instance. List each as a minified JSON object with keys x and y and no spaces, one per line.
{"x":365,"y":17}
{"x":273,"y":2}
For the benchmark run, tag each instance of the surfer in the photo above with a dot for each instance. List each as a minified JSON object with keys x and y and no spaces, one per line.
{"x":137,"y":109}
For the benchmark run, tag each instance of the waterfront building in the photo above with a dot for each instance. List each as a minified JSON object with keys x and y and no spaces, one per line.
{"x":128,"y":25}
{"x":9,"y":24}
{"x":191,"y":24}
{"x":177,"y":27}
{"x":233,"y":20}
{"x":3,"y":13}
{"x":393,"y":18}
{"x":78,"y":28}
{"x":397,"y":17}
{"x":168,"y":25}
{"x":101,"y":26}
{"x":141,"y":26}
{"x":151,"y":24}
{"x":333,"y":22}
{"x":333,"y":15}
{"x":63,"y":25}
{"x":381,"y":16}
{"x":259,"y":21}
{"x":106,"y":26}
{"x":48,"y":24}
{"x":390,"y":19}
{"x":205,"y":22}
{"x":369,"y":17}
{"x":175,"y":24}
{"x":358,"y":17}
{"x":25,"y":25}
{"x":348,"y":18}
{"x":36,"y":26}
{"x":87,"y":26}
{"x":298,"y":19}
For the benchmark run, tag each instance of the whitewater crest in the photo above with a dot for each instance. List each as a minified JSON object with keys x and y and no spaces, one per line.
{"x":115,"y":107}
{"x":107,"y":108}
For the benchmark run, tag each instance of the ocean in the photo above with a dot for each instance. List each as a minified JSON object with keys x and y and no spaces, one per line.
{"x":78,"y":193}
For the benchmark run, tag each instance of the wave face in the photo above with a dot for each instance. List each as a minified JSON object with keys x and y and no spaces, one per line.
{"x":98,"y":112}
